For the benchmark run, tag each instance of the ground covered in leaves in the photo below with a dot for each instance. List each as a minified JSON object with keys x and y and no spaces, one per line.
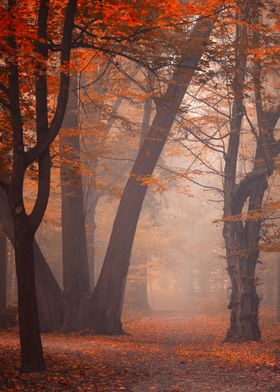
{"x":165,"y":353}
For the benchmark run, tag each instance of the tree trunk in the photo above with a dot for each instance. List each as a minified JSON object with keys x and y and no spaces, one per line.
{"x":103,"y":313}
{"x":3,"y":271}
{"x":74,"y":246}
{"x":243,"y":252}
{"x":25,"y":225}
{"x":240,"y":240}
{"x":29,"y":328}
{"x":48,"y":291}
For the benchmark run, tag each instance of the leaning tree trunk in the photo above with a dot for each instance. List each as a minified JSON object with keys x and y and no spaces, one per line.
{"x":3,"y":271}
{"x":104,"y":308}
{"x":74,"y":245}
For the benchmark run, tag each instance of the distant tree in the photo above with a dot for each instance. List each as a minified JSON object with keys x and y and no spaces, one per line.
{"x":237,"y":85}
{"x":242,"y":236}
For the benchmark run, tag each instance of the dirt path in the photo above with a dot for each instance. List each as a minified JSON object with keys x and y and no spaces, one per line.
{"x":164,"y":354}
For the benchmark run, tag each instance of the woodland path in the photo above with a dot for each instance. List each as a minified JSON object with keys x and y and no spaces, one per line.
{"x":164,"y":354}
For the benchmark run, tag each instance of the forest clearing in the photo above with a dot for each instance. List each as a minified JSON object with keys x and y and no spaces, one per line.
{"x":165,"y":353}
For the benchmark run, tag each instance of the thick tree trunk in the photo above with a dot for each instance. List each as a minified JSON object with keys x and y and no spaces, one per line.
{"x":244,"y":300}
{"x":25,"y":226}
{"x":241,"y":240}
{"x":48,"y":291}
{"x":278,"y":292}
{"x":3,"y":271}
{"x":103,"y":313}
{"x":29,"y":328}
{"x":242,"y":254}
{"x":74,"y":246}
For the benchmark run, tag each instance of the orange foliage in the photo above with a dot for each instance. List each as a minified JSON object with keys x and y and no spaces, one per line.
{"x":164,"y":354}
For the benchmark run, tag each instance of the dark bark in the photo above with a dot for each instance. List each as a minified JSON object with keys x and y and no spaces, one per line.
{"x":243,"y":258}
{"x":25,"y":226}
{"x":103,"y":311}
{"x":3,"y":271}
{"x":24,"y":231}
{"x":48,"y":291}
{"x":74,"y":245}
{"x":242,"y":238}
{"x":29,"y":327}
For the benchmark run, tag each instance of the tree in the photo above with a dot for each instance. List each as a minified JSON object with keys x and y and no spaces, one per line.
{"x":49,"y":294}
{"x":244,"y":71}
{"x":76,"y":285}
{"x":26,"y":225}
{"x":242,"y":237}
{"x":30,"y":34}
{"x":103,"y":311}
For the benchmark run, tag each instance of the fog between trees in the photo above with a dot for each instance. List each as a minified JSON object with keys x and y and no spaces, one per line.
{"x":160,"y":151}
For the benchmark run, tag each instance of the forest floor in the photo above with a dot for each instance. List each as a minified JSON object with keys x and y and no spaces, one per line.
{"x":165,"y":353}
